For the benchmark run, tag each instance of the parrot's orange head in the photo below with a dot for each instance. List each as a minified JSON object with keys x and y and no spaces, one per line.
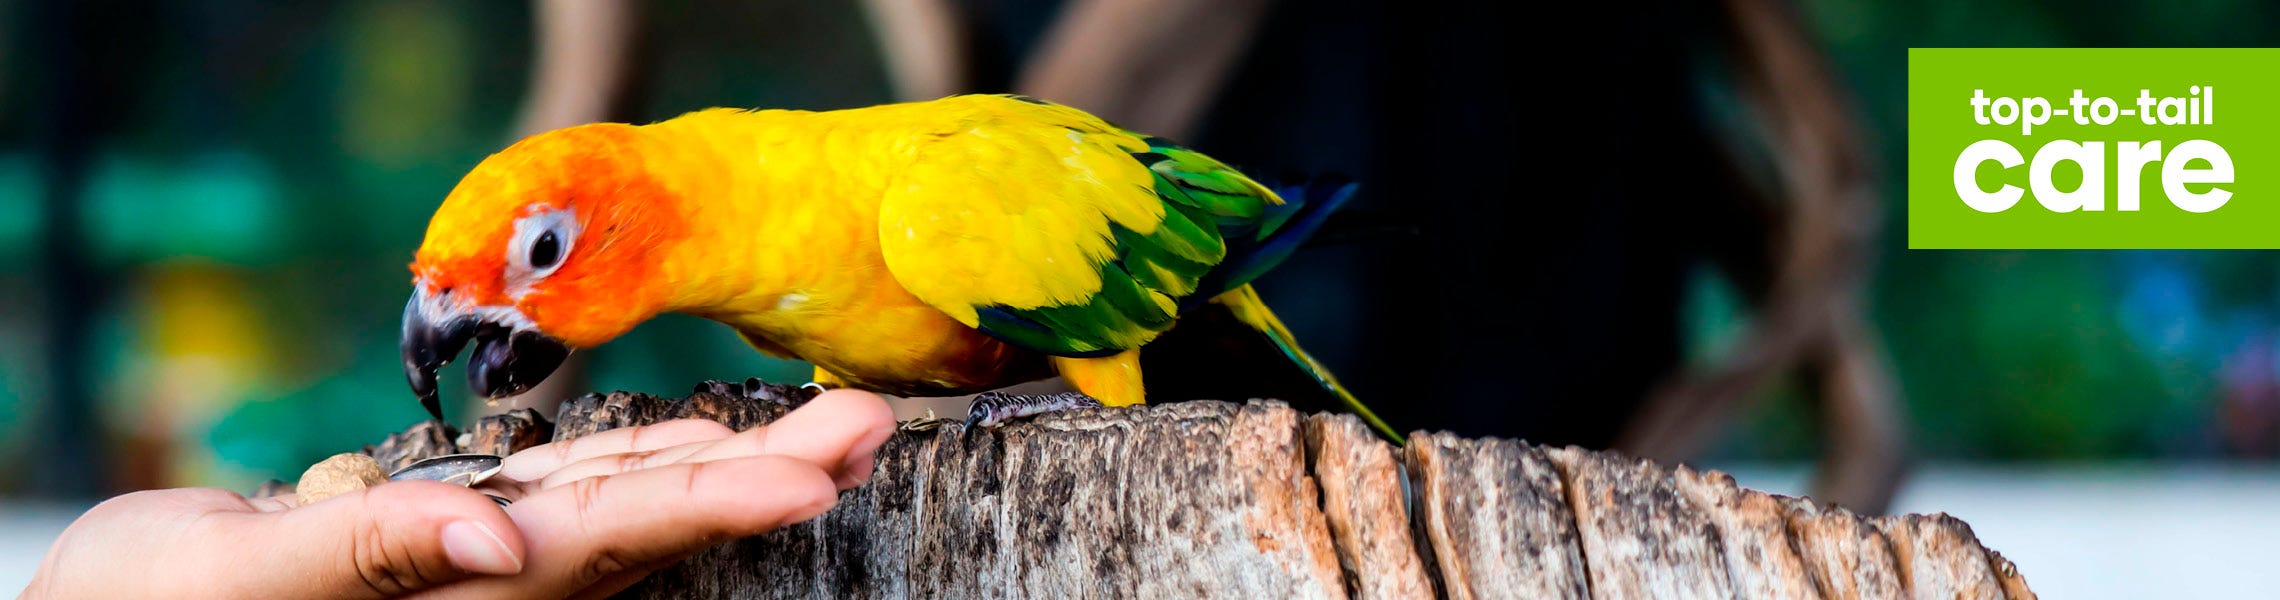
{"x":549,"y":245}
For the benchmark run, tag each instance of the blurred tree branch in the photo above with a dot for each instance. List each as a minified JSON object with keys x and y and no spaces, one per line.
{"x":582,"y":64}
{"x":1811,"y":317}
{"x":1149,"y":65}
{"x":924,"y":45}
{"x":76,"y":101}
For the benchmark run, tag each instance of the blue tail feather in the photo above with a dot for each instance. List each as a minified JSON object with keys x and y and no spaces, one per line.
{"x":1280,"y":232}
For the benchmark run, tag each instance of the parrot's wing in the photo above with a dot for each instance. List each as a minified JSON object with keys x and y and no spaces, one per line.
{"x":1049,"y":228}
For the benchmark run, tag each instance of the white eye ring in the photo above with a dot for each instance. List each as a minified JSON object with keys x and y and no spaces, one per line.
{"x":532,"y":232}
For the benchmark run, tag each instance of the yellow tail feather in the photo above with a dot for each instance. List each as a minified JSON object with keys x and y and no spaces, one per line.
{"x":1252,"y":311}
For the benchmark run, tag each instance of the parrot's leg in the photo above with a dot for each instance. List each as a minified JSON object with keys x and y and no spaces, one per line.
{"x":824,"y":380}
{"x":991,"y":408}
{"x":1112,"y":380}
{"x":754,"y":389}
{"x":1100,"y":382}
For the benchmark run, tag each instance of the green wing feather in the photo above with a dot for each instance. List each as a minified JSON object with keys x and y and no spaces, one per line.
{"x":1204,"y":200}
{"x":1147,"y":276}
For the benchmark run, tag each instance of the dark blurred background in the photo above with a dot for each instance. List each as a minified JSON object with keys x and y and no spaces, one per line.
{"x":1672,"y":228}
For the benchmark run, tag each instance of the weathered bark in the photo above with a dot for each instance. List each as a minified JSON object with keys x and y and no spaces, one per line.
{"x":422,"y":440}
{"x":2014,"y":585}
{"x":1760,"y":560}
{"x":1847,"y":558}
{"x":1493,"y":519}
{"x":1212,"y":499}
{"x":1938,"y":552}
{"x":1369,"y":517}
{"x":1641,"y":538}
{"x":505,"y":433}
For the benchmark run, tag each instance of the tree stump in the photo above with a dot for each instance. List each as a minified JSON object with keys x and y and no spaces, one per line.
{"x":1212,"y":499}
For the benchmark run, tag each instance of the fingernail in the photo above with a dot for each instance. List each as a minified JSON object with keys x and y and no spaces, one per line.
{"x":855,"y":472}
{"x":474,"y":548}
{"x":856,"y":469}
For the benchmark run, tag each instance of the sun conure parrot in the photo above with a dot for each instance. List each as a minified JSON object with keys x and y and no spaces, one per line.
{"x":923,"y":249}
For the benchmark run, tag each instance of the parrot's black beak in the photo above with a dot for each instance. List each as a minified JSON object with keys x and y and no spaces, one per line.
{"x":507,"y":360}
{"x":506,"y":363}
{"x":427,"y":348}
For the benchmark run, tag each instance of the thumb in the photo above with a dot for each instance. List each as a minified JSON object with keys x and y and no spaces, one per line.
{"x":388,"y":540}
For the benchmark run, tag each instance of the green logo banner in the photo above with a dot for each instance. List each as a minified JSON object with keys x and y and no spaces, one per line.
{"x":2093,"y":148}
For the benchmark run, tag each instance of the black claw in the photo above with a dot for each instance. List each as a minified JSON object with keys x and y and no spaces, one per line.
{"x":977,"y":411}
{"x":715,"y":387}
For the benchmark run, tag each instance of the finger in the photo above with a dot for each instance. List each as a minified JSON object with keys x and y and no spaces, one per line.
{"x":536,"y":461}
{"x":603,"y":466}
{"x":609,"y":586}
{"x":864,"y":414}
{"x":378,"y":542}
{"x":836,"y":431}
{"x":837,"y":428}
{"x":599,"y":527}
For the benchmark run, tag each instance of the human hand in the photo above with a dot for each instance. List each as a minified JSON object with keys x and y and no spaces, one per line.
{"x":594,"y":515}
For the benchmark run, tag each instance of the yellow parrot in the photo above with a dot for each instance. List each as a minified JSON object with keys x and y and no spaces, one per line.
{"x":934,"y":248}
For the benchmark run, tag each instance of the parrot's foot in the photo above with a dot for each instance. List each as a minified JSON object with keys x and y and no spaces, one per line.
{"x":752,"y":388}
{"x":998,"y":407}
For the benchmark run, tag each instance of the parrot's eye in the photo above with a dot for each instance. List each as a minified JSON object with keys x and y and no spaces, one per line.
{"x":542,"y":241}
{"x":545,"y":251}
